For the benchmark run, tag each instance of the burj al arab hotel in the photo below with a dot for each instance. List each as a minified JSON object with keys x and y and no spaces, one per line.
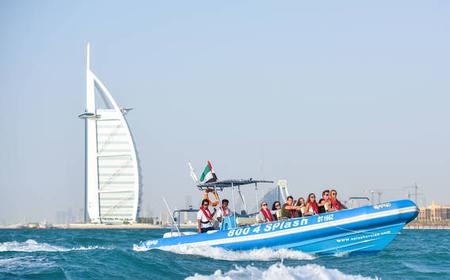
{"x":112,"y":180}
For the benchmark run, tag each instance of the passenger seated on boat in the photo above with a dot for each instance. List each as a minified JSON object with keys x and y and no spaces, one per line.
{"x":324,"y":202}
{"x":276,"y":210}
{"x":223,"y":211}
{"x":205,"y":217}
{"x":264,"y":215}
{"x":301,"y":203}
{"x":335,"y":203}
{"x":289,"y":210}
{"x":311,"y":205}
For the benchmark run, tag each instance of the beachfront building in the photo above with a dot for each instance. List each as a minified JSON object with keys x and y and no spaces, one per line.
{"x":434,"y":213}
{"x":279,"y":192}
{"x":112,"y":186}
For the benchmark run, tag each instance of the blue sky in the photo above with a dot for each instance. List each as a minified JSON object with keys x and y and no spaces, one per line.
{"x":349,"y":94}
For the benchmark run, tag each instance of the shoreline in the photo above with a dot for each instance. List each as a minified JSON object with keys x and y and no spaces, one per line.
{"x":425,"y":227}
{"x":411,"y":226}
{"x":94,"y":226}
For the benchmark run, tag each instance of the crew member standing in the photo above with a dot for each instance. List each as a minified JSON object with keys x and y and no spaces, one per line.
{"x":205,"y":217}
{"x":223,"y":211}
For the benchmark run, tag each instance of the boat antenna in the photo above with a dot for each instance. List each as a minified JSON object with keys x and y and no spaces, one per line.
{"x":88,"y":56}
{"x":170,"y":214}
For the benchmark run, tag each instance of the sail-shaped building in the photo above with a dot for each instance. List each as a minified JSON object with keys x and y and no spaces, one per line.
{"x":112,"y":186}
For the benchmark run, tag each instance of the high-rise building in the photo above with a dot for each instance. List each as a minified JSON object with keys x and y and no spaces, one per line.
{"x":112,"y":186}
{"x":278,"y":193}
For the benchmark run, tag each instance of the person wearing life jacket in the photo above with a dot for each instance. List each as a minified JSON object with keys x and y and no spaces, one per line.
{"x":224,"y":210}
{"x":276,"y":210}
{"x":289,"y":210}
{"x":325,"y":203}
{"x":336,"y":205}
{"x":264,"y":215}
{"x":301,"y":203}
{"x":311,"y":205}
{"x":205,"y":217}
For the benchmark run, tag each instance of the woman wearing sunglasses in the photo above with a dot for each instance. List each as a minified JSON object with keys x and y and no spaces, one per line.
{"x":301,"y":203}
{"x":264,"y":215}
{"x":311,"y":205}
{"x":276,"y":210}
{"x":335,"y":203}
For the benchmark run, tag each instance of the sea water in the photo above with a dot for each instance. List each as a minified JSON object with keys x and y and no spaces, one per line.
{"x":112,"y":254}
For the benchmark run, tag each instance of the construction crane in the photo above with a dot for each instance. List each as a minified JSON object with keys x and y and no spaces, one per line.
{"x":378,"y":192}
{"x":415,"y":193}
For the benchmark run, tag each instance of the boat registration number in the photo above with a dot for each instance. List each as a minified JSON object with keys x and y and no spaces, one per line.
{"x":325,"y":218}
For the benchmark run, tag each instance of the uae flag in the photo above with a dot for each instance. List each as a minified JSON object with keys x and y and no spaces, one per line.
{"x":208,"y":174}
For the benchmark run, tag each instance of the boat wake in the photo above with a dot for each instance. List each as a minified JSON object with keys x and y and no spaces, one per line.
{"x":280,"y":271}
{"x":27,"y":263}
{"x":32,"y":246}
{"x":341,"y":254}
{"x":264,"y":254}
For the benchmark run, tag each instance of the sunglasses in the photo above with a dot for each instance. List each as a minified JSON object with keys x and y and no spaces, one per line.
{"x":334,"y":193}
{"x":277,"y":205}
{"x":206,"y":204}
{"x":264,"y":205}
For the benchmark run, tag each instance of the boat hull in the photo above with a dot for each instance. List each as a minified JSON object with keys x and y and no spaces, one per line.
{"x":360,"y":230}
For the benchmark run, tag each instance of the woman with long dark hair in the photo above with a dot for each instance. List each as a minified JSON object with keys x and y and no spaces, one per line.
{"x":276,"y":210}
{"x":311,"y":205}
{"x":302,"y":205}
{"x":335,"y":203}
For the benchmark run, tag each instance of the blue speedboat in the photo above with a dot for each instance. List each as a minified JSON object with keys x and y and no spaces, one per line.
{"x":360,"y":230}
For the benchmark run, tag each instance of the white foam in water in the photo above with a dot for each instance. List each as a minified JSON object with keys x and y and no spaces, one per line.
{"x":280,"y":271}
{"x":140,"y":248}
{"x":32,"y":246}
{"x":264,"y":254}
{"x":341,"y":254}
{"x":24,"y":263}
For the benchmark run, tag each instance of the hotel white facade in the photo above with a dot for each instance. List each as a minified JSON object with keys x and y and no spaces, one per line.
{"x":112,"y":186}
